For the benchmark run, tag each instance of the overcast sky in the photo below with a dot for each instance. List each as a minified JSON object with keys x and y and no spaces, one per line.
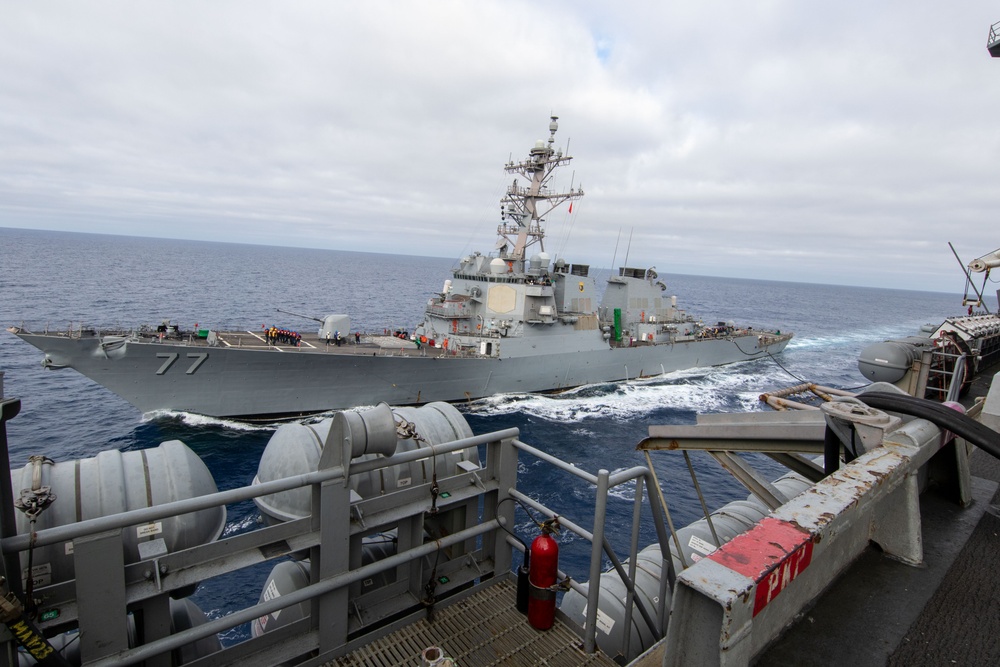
{"x":835,"y":142}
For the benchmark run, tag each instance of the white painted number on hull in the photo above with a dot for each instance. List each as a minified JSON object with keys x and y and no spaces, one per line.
{"x":199,"y":359}
{"x":171,"y":357}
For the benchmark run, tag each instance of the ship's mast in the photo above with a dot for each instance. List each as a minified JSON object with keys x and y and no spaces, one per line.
{"x":521,"y":208}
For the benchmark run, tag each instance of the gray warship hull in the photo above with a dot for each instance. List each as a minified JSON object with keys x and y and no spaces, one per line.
{"x":270,"y":382}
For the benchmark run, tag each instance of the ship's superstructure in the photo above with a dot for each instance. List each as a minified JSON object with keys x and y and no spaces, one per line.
{"x":492,"y":301}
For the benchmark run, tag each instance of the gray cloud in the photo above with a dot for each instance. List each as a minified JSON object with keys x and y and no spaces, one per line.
{"x":839,"y":143}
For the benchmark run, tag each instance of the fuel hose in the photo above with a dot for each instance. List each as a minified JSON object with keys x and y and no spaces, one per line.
{"x":938,"y":414}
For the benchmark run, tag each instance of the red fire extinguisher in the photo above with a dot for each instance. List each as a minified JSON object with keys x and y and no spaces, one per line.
{"x":542,"y":574}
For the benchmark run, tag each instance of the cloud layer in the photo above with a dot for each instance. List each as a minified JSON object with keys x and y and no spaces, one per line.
{"x":841,"y":143}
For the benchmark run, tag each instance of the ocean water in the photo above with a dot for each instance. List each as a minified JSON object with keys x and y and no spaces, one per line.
{"x":60,"y":279}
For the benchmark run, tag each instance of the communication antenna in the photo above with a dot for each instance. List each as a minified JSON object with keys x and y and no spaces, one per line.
{"x":629,"y":247}
{"x":615,"y":256}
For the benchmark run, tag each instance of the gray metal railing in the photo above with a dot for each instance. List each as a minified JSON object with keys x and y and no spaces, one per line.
{"x":605,"y":482}
{"x":97,"y":549}
{"x":105,"y":586}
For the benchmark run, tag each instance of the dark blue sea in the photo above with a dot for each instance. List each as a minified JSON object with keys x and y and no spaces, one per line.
{"x":58,"y":279}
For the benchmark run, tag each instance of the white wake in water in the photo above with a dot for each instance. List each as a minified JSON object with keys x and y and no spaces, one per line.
{"x":697,"y":390}
{"x":196,"y":420}
{"x":240,"y":526}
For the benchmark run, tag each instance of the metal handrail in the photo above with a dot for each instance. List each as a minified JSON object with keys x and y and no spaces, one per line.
{"x":180,"y":639}
{"x":103,"y":528}
{"x":10,"y":546}
{"x":57,"y":534}
{"x":994,"y":34}
{"x":605,"y":481}
{"x":957,"y":378}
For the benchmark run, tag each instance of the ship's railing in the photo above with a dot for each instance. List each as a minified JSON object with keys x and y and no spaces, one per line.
{"x":807,"y":540}
{"x":994,"y":37}
{"x":105,"y":586}
{"x":605,"y":482}
{"x":77,"y":330}
{"x":455,"y":311}
{"x":490,"y":278}
{"x":72,"y":330}
{"x":801,"y":547}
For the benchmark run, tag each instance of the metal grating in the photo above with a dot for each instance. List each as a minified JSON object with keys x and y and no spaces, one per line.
{"x":482,"y":630}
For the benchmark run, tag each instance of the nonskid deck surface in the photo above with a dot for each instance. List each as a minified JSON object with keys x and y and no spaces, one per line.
{"x":368,"y":344}
{"x":481,"y":630}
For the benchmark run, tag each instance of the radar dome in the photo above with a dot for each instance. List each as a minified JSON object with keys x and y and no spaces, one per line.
{"x":498,"y":266}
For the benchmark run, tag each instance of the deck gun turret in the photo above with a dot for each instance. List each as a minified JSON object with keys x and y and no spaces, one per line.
{"x":330,"y":324}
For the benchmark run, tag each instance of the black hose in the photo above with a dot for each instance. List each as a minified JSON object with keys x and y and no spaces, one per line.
{"x":522,"y":570}
{"x":938,"y":414}
{"x":831,"y":452}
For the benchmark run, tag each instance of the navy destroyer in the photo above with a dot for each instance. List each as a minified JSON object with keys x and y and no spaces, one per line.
{"x":508,"y":321}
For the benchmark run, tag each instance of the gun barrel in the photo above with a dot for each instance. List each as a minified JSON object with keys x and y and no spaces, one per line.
{"x":308,"y":317}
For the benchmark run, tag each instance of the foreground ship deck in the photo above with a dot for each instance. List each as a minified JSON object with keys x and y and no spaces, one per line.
{"x":817,"y":565}
{"x":481,"y":630}
{"x":884,"y":612}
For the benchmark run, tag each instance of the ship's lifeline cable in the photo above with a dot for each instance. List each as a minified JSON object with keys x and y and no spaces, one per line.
{"x":772,"y":358}
{"x":938,"y":414}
